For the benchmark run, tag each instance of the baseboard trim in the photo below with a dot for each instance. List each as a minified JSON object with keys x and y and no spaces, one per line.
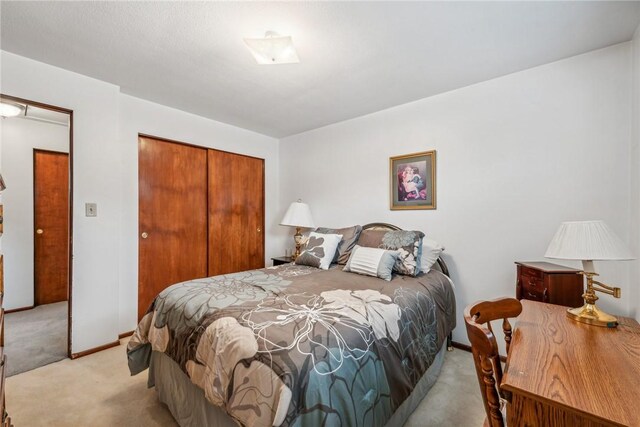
{"x":125,"y":334}
{"x":15,"y":310}
{"x":94,"y":350}
{"x":466,"y":347}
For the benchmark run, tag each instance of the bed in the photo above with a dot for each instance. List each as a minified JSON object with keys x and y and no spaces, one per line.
{"x":296,"y":346}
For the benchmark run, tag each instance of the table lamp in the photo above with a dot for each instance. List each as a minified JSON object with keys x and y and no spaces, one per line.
{"x":588,"y":241}
{"x":299,"y":216}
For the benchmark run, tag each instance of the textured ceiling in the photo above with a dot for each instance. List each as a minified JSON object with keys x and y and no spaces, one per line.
{"x":356,"y":57}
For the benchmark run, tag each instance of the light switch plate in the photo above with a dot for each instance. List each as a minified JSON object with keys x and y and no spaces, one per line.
{"x":90,"y":209}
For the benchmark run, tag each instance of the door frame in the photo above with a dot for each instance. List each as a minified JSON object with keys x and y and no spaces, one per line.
{"x":70,"y":280}
{"x":40,"y":150}
{"x":159,"y":138}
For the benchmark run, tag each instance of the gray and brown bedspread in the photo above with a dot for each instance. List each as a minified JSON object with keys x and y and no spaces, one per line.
{"x":298,"y":346}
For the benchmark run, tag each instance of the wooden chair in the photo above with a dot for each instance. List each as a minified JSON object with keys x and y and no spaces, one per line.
{"x":484,"y":347}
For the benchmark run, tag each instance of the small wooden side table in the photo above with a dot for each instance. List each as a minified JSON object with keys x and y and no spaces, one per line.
{"x":279,"y":260}
{"x":550,"y":283}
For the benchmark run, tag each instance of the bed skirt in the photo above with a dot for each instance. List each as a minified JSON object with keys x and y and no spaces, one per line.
{"x":190,"y":408}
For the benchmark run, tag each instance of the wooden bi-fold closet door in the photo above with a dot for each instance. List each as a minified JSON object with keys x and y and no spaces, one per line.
{"x":236,"y":213}
{"x":51,"y":226}
{"x":201,"y":213}
{"x":172,"y":187}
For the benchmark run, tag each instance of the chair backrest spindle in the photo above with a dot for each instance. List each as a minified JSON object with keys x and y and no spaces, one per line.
{"x":506,"y":328}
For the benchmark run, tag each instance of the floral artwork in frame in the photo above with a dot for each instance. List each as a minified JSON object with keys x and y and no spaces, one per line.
{"x":412,"y":178}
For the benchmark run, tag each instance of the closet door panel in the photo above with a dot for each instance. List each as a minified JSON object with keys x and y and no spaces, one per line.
{"x":236,"y":213}
{"x":172,"y":185}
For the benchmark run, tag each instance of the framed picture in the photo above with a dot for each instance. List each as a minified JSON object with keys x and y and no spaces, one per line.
{"x":412,"y":178}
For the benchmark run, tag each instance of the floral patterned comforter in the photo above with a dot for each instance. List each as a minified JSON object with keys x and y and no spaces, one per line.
{"x":297,"y":346}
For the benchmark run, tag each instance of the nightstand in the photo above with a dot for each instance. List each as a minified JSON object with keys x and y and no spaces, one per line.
{"x":550,"y":283}
{"x":279,"y":260}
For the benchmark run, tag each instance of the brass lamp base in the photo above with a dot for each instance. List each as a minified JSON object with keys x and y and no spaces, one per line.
{"x":591,"y":314}
{"x":297,"y":238}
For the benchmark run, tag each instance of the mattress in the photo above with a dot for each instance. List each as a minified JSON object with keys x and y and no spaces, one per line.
{"x":190,"y":408}
{"x":294,"y":345}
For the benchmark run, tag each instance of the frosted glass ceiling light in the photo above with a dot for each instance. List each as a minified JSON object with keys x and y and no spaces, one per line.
{"x":10,"y":110}
{"x":273,"y":49}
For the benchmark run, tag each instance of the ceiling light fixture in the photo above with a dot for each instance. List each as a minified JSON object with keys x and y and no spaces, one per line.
{"x":273,"y":49}
{"x":9,"y":109}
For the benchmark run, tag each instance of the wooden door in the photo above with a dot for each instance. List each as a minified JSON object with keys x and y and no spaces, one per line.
{"x":51,"y":226}
{"x":172,"y":186}
{"x":236,"y":213}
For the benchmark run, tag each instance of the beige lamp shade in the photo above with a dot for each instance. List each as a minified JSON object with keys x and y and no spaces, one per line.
{"x":298,"y":215}
{"x":587,"y":241}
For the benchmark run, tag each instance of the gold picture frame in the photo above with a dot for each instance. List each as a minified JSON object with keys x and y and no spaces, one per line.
{"x":412,"y":181}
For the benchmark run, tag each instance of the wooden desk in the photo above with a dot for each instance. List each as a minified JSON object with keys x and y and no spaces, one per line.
{"x":563,"y":373}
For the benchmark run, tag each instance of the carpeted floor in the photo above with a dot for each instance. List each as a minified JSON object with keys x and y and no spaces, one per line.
{"x":36,"y":337}
{"x":97,"y":390}
{"x":455,"y":399}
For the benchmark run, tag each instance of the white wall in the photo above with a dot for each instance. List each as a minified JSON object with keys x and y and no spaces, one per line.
{"x":96,"y":163}
{"x":105,"y":128}
{"x":140,"y":116}
{"x":635,"y":174}
{"x":515,"y":156}
{"x":19,"y":138}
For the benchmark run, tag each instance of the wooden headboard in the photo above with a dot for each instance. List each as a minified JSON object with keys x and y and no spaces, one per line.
{"x":384,"y":226}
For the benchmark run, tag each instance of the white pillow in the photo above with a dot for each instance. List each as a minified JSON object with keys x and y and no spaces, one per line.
{"x":319,"y":250}
{"x":372,"y":262}
{"x":431,"y":250}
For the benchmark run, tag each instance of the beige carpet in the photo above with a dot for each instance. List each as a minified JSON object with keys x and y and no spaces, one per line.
{"x":97,"y":391}
{"x":36,"y":337}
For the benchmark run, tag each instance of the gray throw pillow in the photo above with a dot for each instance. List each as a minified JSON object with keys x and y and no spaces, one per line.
{"x":408,"y":243}
{"x":350,"y":236}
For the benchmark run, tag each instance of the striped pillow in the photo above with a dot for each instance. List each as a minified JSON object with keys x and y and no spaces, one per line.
{"x":372,"y":262}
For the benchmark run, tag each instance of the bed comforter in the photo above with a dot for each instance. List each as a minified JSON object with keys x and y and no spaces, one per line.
{"x":297,"y":346}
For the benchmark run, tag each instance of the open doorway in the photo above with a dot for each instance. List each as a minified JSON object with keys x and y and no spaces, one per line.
{"x":35,"y":164}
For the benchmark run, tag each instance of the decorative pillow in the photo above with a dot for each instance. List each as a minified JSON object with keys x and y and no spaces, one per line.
{"x":349,"y":238}
{"x":319,"y":250}
{"x":372,"y":262}
{"x":431,"y":251}
{"x":408,"y":243}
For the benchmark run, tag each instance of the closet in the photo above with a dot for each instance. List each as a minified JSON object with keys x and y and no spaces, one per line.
{"x":200,"y":214}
